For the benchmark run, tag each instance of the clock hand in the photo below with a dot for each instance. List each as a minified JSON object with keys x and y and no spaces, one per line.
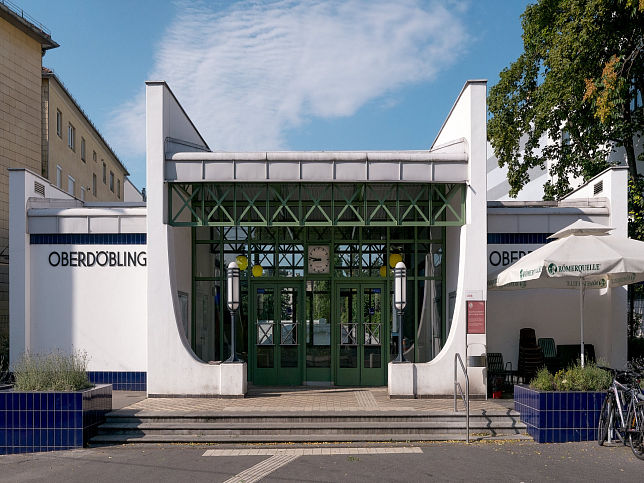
{"x":315,"y":259}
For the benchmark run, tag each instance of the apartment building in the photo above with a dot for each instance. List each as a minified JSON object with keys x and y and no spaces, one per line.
{"x":44,"y":130}
{"x":23,"y":42}
{"x":75,"y":157}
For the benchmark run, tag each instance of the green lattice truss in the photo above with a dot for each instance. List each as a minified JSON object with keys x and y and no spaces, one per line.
{"x":315,"y":204}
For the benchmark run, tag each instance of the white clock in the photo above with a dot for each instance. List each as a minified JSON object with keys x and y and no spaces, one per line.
{"x":318,"y":259}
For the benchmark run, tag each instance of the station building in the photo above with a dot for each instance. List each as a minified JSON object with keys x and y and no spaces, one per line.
{"x":141,"y":287}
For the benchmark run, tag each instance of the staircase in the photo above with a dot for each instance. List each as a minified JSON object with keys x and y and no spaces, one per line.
{"x":261,"y":426}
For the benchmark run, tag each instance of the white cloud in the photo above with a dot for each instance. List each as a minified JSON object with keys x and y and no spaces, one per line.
{"x":247,"y":72}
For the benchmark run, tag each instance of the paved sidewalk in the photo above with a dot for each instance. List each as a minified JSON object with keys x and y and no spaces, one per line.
{"x":492,"y":461}
{"x":307,"y":399}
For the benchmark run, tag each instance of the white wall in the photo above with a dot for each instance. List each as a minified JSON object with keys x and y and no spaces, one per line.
{"x":101,"y":310}
{"x":497,"y":177}
{"x":131,"y":192}
{"x":22,"y":185}
{"x":173,"y":368}
{"x":555,"y":313}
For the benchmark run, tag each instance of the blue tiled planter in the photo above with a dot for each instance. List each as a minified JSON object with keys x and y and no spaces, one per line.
{"x":559,"y":417}
{"x":50,"y":421}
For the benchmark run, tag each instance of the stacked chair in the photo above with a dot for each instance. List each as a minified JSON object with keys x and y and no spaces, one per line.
{"x":530,"y":355}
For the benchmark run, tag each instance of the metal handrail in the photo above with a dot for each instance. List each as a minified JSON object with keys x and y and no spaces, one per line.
{"x":466,"y":396}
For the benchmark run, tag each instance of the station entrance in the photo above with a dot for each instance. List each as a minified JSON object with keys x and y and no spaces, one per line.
{"x":294,"y":342}
{"x":316,"y":275}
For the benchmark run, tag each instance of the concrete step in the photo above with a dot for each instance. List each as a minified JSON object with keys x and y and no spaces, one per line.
{"x":127,"y":426}
{"x":344,"y":427}
{"x":318,"y":417}
{"x":297,"y":438}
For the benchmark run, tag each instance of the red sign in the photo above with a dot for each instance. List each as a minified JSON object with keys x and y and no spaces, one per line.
{"x":475,"y":317}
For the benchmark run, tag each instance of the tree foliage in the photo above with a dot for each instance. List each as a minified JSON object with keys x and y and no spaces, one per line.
{"x":579,"y":82}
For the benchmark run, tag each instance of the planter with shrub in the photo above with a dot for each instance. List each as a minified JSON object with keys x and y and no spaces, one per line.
{"x":565,"y":406}
{"x":52,"y":405}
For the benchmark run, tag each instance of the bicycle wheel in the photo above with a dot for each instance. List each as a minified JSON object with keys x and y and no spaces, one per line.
{"x":604,"y":419}
{"x":636,"y":435}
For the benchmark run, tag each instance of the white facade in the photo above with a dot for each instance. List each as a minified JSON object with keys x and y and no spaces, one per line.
{"x":129,"y":317}
{"x":553,"y":312}
{"x":76,"y":296}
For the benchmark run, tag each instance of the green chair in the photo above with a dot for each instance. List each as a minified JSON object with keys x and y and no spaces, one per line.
{"x":549,"y":349}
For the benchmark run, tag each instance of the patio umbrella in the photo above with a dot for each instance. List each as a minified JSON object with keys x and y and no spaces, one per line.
{"x":583,"y":255}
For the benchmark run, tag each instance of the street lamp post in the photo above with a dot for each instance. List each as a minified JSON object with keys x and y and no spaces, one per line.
{"x":233,"y":306}
{"x":400,"y":302}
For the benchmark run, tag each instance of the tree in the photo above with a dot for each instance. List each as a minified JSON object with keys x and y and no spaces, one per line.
{"x":579,"y":82}
{"x":578,"y":86}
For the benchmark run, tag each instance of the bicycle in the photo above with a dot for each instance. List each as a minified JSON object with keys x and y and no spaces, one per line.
{"x":622,"y":412}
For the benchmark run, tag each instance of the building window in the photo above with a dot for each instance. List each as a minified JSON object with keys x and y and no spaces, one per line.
{"x":104,"y":172}
{"x":59,"y":123}
{"x":94,"y":184}
{"x":94,"y":156}
{"x":82,"y":193}
{"x":71,"y":182}
{"x":112,"y":182}
{"x":82,"y":149}
{"x":118,"y":188}
{"x":59,"y":177}
{"x":71,"y":137}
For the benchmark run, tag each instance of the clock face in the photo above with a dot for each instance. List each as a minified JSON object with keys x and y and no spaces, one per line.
{"x":318,"y":259}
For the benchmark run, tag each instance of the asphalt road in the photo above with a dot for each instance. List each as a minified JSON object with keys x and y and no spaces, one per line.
{"x":491,"y":461}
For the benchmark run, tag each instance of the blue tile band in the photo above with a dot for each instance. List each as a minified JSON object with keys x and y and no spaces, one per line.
{"x":120,"y":380}
{"x":518,"y":238}
{"x":89,"y":239}
{"x":559,"y":417}
{"x":51,"y":421}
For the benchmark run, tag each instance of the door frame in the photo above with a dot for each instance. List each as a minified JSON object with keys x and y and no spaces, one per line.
{"x":361,"y":378}
{"x":280,"y":376}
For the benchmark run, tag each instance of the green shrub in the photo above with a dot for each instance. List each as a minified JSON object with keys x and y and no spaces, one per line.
{"x":543,"y":380}
{"x":56,"y":371}
{"x":575,"y":378}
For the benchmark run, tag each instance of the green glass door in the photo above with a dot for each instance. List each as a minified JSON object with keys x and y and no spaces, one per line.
{"x":277,"y":318}
{"x":360,"y":322}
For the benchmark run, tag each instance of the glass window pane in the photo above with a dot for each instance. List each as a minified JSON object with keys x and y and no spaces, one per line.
{"x":348,"y":357}
{"x":291,"y":260}
{"x":349,"y":320}
{"x":288,"y":356}
{"x":262,"y":255}
{"x":347,"y":260}
{"x":264,"y":316}
{"x":372,"y":359}
{"x":373,"y":258}
{"x":288,"y":316}
{"x":318,"y":324}
{"x":265,"y":357}
{"x":206,"y":321}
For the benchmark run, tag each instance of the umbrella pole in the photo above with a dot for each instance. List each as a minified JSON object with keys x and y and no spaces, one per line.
{"x":582,"y":289}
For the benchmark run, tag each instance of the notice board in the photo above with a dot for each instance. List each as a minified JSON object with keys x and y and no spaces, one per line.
{"x":476,"y":316}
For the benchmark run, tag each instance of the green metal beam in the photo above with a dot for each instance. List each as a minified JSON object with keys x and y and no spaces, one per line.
{"x":322,"y":204}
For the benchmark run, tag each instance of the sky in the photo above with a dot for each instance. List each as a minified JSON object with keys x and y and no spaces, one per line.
{"x":282,"y":74}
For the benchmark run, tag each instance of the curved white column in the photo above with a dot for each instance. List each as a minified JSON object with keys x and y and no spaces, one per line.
{"x":172,"y":366}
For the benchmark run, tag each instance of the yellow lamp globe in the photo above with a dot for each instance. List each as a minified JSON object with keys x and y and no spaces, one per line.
{"x":394,"y":258}
{"x":383,"y":271}
{"x":242,"y":262}
{"x":257,"y":270}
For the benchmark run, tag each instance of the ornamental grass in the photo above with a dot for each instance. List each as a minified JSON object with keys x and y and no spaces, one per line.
{"x":56,"y":371}
{"x":574,"y":378}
